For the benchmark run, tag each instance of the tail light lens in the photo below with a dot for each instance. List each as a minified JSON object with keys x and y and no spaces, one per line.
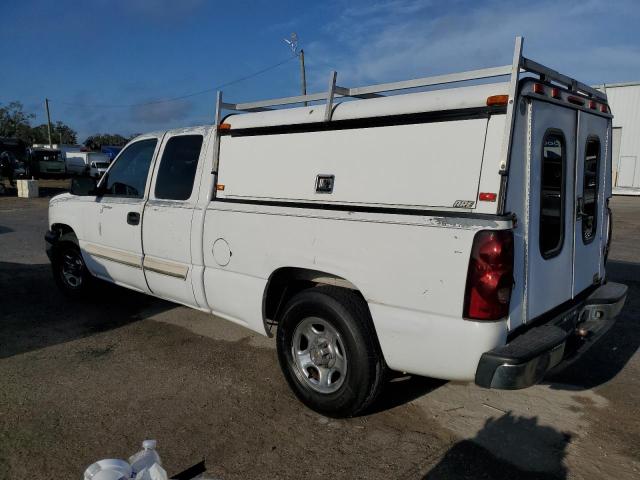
{"x":490,"y":276}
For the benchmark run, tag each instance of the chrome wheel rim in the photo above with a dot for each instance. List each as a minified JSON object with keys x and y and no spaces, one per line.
{"x":71,"y":269}
{"x":319,"y":356}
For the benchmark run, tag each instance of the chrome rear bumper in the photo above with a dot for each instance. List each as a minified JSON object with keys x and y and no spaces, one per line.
{"x":525,"y":359}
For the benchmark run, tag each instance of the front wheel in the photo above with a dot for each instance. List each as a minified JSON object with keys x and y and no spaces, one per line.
{"x":69,"y":271}
{"x":328,"y":351}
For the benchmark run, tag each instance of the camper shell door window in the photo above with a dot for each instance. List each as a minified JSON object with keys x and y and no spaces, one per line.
{"x":552,"y":193}
{"x":590,"y":189}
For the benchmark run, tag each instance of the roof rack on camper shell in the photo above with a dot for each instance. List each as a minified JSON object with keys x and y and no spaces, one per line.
{"x":519,"y":66}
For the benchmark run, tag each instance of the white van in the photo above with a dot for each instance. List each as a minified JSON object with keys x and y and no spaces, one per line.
{"x":458,"y":233}
{"x":92,"y":164}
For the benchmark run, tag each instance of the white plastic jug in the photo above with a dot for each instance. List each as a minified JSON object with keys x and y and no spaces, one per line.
{"x":108,"y":469}
{"x":145,"y":458}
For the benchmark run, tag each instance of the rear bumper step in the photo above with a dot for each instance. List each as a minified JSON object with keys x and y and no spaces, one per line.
{"x":524,"y":360}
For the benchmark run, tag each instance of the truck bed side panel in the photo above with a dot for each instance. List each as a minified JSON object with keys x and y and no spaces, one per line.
{"x":410,"y":269}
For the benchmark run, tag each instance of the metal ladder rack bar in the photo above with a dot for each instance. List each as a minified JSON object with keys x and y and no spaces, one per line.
{"x":431,"y":81}
{"x":374,"y":91}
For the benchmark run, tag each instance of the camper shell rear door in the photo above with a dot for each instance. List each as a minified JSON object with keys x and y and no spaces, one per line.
{"x":566,"y":232}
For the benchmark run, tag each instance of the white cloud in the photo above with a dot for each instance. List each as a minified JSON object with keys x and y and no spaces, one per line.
{"x":398,"y":39}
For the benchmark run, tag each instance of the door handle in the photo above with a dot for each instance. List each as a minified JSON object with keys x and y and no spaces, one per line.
{"x":580,"y":208}
{"x":133,"y":218}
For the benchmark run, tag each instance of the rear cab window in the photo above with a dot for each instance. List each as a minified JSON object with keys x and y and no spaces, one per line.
{"x":552,"y":194}
{"x":178,"y":166}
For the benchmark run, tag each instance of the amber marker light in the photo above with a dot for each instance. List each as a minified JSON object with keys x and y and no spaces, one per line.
{"x":497,"y":100}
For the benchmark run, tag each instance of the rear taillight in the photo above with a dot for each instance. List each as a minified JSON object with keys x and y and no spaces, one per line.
{"x":490,"y":276}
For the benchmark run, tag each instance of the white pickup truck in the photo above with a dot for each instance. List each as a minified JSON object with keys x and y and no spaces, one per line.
{"x":458,"y":233}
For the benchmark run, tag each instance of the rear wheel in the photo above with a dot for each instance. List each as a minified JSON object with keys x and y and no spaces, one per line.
{"x":69,"y":271}
{"x":328,"y":351}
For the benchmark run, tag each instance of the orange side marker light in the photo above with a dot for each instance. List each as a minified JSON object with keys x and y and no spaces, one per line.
{"x":497,"y":100}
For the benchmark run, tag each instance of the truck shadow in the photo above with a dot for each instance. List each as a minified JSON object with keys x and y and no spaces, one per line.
{"x":402,"y":388}
{"x":606,"y":358}
{"x":34,"y":314}
{"x":534,"y":452}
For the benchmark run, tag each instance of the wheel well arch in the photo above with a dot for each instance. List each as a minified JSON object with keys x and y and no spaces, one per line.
{"x":67,"y":233}
{"x":285,"y":282}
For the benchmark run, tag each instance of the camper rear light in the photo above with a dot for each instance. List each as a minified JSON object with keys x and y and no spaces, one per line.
{"x":487,"y":197}
{"x":538,"y":88}
{"x":575,"y":100}
{"x":555,"y":92}
{"x":490,"y":276}
{"x":604,"y":109}
{"x":497,"y":100}
{"x":592,"y":104}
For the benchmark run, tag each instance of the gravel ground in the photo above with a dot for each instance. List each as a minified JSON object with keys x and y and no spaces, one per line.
{"x":87,"y":381}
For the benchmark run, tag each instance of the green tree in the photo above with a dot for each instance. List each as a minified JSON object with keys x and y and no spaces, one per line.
{"x":60,"y":133}
{"x":40,"y":134}
{"x":64,"y":133}
{"x":96,"y":141}
{"x":14,"y":122}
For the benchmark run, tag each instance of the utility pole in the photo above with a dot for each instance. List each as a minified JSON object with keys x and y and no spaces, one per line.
{"x":292,"y":41}
{"x":303,"y":74}
{"x":46,"y":102}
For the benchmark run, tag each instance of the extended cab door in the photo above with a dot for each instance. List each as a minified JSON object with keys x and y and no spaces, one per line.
{"x":551,"y":207}
{"x":590,"y":200}
{"x":113,"y":234}
{"x":168,"y":216}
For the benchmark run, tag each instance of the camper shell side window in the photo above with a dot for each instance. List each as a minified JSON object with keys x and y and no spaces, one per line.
{"x":552,"y":193}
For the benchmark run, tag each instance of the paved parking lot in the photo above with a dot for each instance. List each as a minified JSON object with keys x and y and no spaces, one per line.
{"x":80,"y":382}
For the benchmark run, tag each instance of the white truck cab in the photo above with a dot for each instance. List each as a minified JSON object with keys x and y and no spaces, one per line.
{"x":458,"y":233}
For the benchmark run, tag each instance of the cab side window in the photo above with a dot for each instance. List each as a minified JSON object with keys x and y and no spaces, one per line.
{"x":178,"y":167}
{"x":590,"y":189}
{"x":128,"y":175}
{"x":552,"y":192}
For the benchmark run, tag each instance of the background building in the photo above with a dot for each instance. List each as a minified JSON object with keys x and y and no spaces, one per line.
{"x":624,"y":100}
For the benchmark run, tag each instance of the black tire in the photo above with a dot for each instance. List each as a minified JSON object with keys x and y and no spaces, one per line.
{"x":70,"y":272}
{"x":346,"y":313}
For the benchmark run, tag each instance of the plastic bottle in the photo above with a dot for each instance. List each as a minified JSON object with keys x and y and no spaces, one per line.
{"x":155,"y":472}
{"x":145,"y":458}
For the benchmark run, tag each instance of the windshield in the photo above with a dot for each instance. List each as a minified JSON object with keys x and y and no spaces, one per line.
{"x":47,"y":156}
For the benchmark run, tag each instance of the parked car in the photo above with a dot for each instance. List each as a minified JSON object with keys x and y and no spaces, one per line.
{"x":45,"y":162}
{"x":11,"y":166}
{"x":97,"y":169}
{"x":459,"y":233}
{"x":92,"y":164}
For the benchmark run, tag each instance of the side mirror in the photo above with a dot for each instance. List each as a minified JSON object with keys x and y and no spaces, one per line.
{"x":84,"y":186}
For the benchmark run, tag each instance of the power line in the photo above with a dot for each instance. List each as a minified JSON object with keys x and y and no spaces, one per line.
{"x":181,"y":97}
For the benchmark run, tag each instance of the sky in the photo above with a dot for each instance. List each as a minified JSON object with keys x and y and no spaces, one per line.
{"x":102,"y":63}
